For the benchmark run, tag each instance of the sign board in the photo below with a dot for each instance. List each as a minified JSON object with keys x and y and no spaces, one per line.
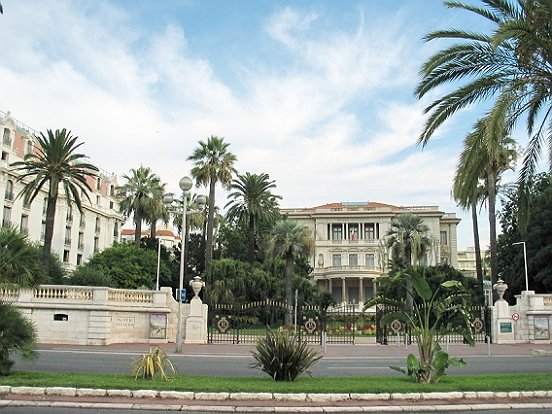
{"x":183,"y":295}
{"x":515,"y":316}
{"x":505,"y":327}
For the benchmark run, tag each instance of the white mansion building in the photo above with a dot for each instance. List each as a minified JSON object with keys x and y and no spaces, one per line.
{"x":350,"y":253}
{"x":76,"y":236}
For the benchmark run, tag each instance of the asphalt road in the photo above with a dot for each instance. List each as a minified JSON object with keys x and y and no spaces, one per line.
{"x":225,"y":364}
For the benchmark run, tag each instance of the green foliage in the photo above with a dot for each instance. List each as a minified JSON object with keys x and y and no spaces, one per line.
{"x":153,"y":365}
{"x":88,"y":276}
{"x":17,"y":335}
{"x":129,"y":267}
{"x":21,"y":261}
{"x":435,"y":312}
{"x":283,"y":356}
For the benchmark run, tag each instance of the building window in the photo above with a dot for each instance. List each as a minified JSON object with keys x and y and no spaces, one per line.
{"x":7,"y":138}
{"x":29,"y":147}
{"x":6,"y":217}
{"x":369,"y":231}
{"x":336,"y":260}
{"x":98,"y":183}
{"x":5,"y":156}
{"x":45,"y":206}
{"x":370,"y":261}
{"x":96,"y":244}
{"x":353,"y":259}
{"x":97,"y":227}
{"x":43,"y":231}
{"x":98,"y":200}
{"x":112,"y":190}
{"x":116,"y":230}
{"x":8,"y":194}
{"x":353,"y":232}
{"x":24,"y":224}
{"x":68,"y":236}
{"x":81,"y":241}
{"x":444,"y":238}
{"x":66,"y":256}
{"x":111,"y":205}
{"x":82,"y":220}
{"x":337,"y":232}
{"x":79,"y":259}
{"x":69,"y":214}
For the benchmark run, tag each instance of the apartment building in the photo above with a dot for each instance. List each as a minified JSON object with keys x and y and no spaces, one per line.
{"x":350,"y":253}
{"x":76,"y":236}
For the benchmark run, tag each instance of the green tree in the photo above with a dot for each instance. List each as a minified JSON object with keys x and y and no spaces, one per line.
{"x":55,"y":163}
{"x":512,"y":65}
{"x":290,"y":241}
{"x":409,"y":241}
{"x":251,"y":201}
{"x":435,"y":313}
{"x":213,"y":164}
{"x":137,"y":197}
{"x":129,"y":267}
{"x":487,"y":153}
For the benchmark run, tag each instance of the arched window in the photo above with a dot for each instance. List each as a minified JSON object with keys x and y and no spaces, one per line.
{"x":8,"y":195}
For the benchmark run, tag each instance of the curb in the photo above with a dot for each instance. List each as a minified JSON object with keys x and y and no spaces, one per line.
{"x":277,"y":397}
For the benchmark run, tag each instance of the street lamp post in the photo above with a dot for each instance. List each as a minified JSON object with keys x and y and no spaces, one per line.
{"x":525,"y":262}
{"x":185,"y":185}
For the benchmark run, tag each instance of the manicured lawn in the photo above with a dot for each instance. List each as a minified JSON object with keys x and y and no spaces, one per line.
{"x":305,"y":384}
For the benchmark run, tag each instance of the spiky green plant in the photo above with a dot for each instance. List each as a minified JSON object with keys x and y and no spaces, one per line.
{"x":153,"y":365}
{"x":17,"y":335}
{"x":283,"y":356}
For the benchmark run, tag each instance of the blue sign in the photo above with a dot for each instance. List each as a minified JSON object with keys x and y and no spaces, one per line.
{"x":183,"y":295}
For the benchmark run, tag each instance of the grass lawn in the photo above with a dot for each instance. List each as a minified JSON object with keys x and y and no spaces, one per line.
{"x":304,"y":384}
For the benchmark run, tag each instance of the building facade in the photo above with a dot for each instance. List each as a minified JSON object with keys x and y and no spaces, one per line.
{"x":76,"y":236}
{"x":350,"y":254}
{"x":466,"y":262}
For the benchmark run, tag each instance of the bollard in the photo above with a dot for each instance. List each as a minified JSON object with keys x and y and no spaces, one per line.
{"x":488,"y":345}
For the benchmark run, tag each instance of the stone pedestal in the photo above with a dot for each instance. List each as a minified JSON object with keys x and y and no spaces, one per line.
{"x":196,"y":323}
{"x":503,"y":325}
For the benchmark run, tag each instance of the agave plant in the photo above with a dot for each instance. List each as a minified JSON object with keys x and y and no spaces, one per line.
{"x":153,"y":365}
{"x":283,"y":356}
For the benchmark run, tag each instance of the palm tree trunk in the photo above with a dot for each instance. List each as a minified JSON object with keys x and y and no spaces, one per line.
{"x":491,"y":178}
{"x":289,"y":288}
{"x":478,"y":265}
{"x":49,"y":228}
{"x":153,"y":229}
{"x":138,"y":230}
{"x":210,"y":223}
{"x":251,"y":239}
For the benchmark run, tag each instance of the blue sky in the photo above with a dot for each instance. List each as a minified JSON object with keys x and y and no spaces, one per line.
{"x":318,"y":94}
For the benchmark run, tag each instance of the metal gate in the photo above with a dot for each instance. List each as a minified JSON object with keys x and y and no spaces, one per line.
{"x":480,"y":320}
{"x":247,"y":323}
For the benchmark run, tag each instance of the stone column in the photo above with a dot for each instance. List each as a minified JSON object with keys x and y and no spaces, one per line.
{"x":343,"y":289}
{"x":361,"y":297}
{"x":196,"y":321}
{"x":503,"y":328}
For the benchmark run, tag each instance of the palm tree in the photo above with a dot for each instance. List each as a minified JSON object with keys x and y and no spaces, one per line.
{"x":56,"y":162}
{"x":486,"y":155}
{"x":158,"y":210}
{"x":250,"y":202}
{"x":512,"y":65}
{"x":212,"y":163}
{"x":408,"y":240}
{"x":290,"y":241}
{"x":137,"y":197}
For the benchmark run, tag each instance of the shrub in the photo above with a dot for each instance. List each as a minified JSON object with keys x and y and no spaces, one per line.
{"x":17,"y":334}
{"x":153,"y":365}
{"x":283,"y":356}
{"x":87,"y":276}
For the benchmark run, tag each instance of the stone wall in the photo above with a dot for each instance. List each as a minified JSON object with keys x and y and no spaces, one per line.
{"x":528,"y":321}
{"x":100,"y":316}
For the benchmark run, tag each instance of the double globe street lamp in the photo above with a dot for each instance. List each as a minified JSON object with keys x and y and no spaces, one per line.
{"x":180,"y":207}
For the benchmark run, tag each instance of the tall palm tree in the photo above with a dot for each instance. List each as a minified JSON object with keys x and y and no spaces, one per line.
{"x":487,"y":153}
{"x":408,"y":240}
{"x":55,"y":163}
{"x":251,"y":201}
{"x":137,"y":197}
{"x":512,"y":65}
{"x":213,"y":164}
{"x":158,"y":210}
{"x":290,"y":241}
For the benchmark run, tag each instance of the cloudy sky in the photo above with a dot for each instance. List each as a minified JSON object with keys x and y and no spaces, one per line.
{"x":318,"y":94}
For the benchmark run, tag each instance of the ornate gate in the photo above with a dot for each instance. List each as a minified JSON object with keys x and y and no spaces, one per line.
{"x":247,"y":323}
